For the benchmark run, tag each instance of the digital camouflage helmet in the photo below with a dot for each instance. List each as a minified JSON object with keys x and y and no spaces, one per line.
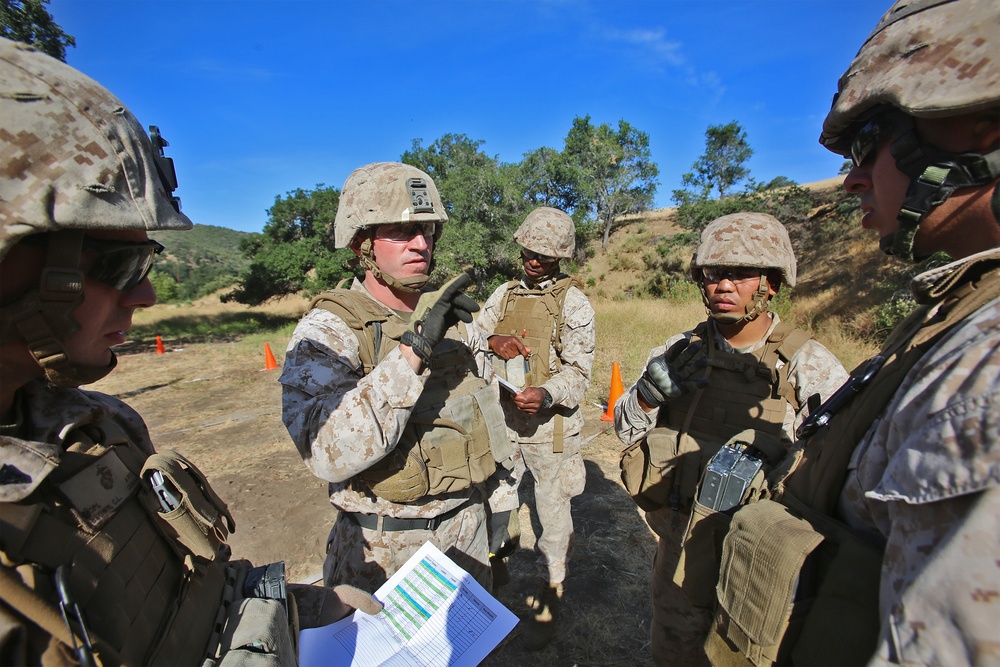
{"x":75,"y":159}
{"x":547,"y":231}
{"x":925,"y":59}
{"x":386,"y":193}
{"x":754,"y":240}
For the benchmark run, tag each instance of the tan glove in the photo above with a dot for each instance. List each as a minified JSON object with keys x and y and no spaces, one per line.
{"x":320,"y":605}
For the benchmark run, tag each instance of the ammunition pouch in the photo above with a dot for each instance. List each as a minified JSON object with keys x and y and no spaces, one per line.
{"x":743,"y":471}
{"x":201,"y":521}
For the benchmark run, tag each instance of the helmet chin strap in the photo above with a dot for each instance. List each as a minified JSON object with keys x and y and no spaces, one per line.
{"x":752,"y":310}
{"x":42,"y":317}
{"x":410,"y":284}
{"x":934,"y":176}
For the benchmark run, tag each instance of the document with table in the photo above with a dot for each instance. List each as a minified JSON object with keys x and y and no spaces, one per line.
{"x":434,"y":614}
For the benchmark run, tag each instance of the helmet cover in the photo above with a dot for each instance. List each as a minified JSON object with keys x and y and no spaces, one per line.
{"x":385,"y":193}
{"x":756,"y":240}
{"x":73,"y":156}
{"x":547,"y":231}
{"x":928,"y":58}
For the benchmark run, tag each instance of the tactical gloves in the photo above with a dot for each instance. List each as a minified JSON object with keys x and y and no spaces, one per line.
{"x":436,"y":312}
{"x":673,"y":373}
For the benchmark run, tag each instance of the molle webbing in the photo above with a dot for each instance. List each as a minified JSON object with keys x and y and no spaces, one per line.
{"x":819,"y":478}
{"x":744,"y":390}
{"x":126,"y":577}
{"x":536,"y":317}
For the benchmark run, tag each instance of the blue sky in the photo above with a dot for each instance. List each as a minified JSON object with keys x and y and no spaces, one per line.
{"x":258,"y":98}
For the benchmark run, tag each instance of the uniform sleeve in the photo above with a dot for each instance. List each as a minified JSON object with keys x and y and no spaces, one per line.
{"x":569,"y":385}
{"x":340,"y":421}
{"x":814,"y":370}
{"x":632,"y":423}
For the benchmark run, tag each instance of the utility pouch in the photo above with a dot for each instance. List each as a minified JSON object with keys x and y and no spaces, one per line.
{"x":252,"y":629}
{"x":190,"y":511}
{"x":794,"y":586}
{"x":734,"y":476}
{"x":661,"y":469}
{"x":444,"y":457}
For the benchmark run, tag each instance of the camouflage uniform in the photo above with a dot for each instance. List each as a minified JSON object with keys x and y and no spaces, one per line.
{"x":81,"y":524}
{"x":924,"y":483}
{"x":558,"y":476}
{"x":678,"y":627}
{"x":342,"y":422}
{"x":897,"y":486}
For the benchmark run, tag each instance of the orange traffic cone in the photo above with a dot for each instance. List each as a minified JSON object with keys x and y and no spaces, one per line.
{"x":616,"y":391}
{"x":159,"y":345}
{"x":269,"y":363}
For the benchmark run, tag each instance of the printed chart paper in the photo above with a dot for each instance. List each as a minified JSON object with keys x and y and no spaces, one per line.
{"x":435,"y":614}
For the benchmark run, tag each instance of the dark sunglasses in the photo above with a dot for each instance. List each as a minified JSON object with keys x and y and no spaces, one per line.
{"x":734,"y":274}
{"x":121,"y":264}
{"x":406,"y":232}
{"x":528,"y":255}
{"x":867,"y":138}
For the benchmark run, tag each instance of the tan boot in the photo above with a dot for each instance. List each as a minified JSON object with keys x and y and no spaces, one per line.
{"x":545,"y":611}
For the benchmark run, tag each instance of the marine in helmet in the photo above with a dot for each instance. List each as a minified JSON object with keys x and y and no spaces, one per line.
{"x":388,"y":394}
{"x":82,"y":528}
{"x":742,"y":368}
{"x":899,"y":472}
{"x":541,"y":331}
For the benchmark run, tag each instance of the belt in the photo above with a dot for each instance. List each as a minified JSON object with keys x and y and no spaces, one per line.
{"x":392,"y":523}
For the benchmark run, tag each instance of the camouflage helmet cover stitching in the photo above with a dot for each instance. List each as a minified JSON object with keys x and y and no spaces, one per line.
{"x":547,"y":231}
{"x":72,"y":155}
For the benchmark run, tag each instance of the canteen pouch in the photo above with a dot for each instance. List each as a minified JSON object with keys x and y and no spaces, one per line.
{"x":199,"y":520}
{"x":661,"y":469}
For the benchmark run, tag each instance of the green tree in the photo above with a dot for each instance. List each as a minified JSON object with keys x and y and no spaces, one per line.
{"x":612,"y":170}
{"x":484,"y":201}
{"x":720,"y":168}
{"x":295,"y":252}
{"x":30,"y":22}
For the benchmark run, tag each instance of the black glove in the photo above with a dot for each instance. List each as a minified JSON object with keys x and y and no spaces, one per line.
{"x":673,"y":373}
{"x":436,"y":312}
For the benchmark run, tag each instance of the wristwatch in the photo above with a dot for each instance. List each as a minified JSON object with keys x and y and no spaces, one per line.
{"x":547,"y":401}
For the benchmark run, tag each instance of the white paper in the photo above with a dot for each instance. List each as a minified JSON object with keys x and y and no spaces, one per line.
{"x":435,"y":614}
{"x":507,"y":385}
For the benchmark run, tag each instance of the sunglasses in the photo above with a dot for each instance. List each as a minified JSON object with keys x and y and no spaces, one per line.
{"x":120,"y":264}
{"x":407,"y":232}
{"x":714,"y":275}
{"x":866,"y":140}
{"x":528,"y":255}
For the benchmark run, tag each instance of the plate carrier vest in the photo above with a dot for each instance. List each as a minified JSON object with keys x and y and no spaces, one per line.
{"x":746,"y":390}
{"x":455,"y":435}
{"x":536,"y":317}
{"x":153,"y":588}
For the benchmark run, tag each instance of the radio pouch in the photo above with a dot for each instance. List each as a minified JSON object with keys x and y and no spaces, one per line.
{"x":191,"y":513}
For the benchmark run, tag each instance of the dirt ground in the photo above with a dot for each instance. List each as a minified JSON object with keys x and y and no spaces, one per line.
{"x":215,"y":404}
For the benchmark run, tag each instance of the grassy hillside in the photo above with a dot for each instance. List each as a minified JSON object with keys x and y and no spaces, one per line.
{"x":197,"y":262}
